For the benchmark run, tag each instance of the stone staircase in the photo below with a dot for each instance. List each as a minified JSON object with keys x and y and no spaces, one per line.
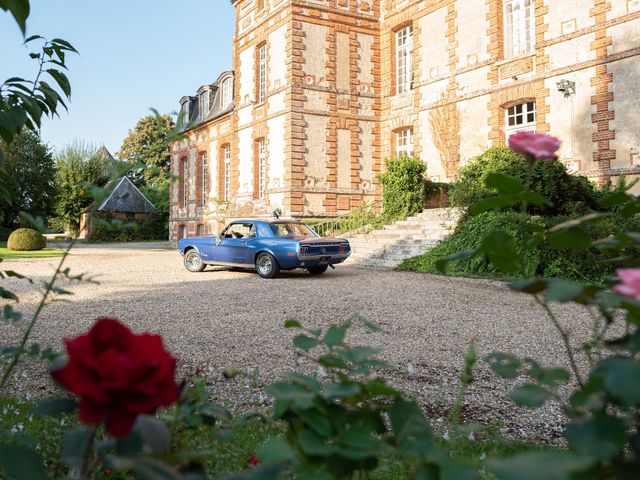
{"x":390,"y":245}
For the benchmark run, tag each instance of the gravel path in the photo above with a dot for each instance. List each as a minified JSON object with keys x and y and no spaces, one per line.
{"x":223,"y":318}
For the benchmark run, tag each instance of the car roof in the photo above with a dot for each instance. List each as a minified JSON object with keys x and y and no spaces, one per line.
{"x":280,"y":220}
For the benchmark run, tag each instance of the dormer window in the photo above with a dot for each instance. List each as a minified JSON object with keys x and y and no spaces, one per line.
{"x":185,"y":112}
{"x":204,"y":104}
{"x":227,"y":92}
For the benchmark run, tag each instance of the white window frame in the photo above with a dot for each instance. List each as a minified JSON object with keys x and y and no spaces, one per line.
{"x":185,"y":184}
{"x":262,"y":168}
{"x":227,"y":171}
{"x":262,"y":73}
{"x":205,"y":169}
{"x":519,"y":27}
{"x":404,"y":142}
{"x":204,"y":104}
{"x":185,"y":111}
{"x":520,"y":117}
{"x":227,"y":94}
{"x":404,"y":59}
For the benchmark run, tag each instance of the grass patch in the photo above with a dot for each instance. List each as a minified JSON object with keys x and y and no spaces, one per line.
{"x":7,"y":254}
{"x":45,"y":434}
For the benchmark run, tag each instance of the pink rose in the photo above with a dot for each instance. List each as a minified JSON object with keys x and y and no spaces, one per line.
{"x":629,"y":285}
{"x":535,"y":145}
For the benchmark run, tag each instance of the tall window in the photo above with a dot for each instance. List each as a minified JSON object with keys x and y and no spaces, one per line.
{"x":204,"y":173}
{"x":200,"y":230}
{"x":227,"y":92}
{"x":404,"y":142}
{"x":518,"y":27}
{"x":204,"y":105}
{"x":183,"y":173}
{"x":520,"y":118}
{"x":404,"y":59}
{"x":226,"y":155}
{"x":185,"y":112}
{"x":262,"y":168}
{"x":262,"y":72}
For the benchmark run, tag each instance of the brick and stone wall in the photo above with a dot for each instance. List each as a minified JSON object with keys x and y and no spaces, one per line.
{"x":331,"y":112}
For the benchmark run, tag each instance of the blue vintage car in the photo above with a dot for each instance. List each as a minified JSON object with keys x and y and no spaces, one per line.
{"x":267,"y":246}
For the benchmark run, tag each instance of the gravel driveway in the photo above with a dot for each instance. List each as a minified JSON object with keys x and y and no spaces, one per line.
{"x":222,"y":318}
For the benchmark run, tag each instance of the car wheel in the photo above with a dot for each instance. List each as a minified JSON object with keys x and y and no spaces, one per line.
{"x":317,"y":270}
{"x":193,"y":261}
{"x":267,"y":266}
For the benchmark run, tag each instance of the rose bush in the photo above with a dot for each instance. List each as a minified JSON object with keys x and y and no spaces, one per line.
{"x":118,"y":375}
{"x":534,"y":146}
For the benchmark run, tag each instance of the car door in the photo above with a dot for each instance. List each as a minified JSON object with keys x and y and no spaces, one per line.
{"x":231,"y":246}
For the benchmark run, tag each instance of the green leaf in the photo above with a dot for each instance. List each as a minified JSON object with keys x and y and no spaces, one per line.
{"x":20,"y":11}
{"x":374,"y":327}
{"x":570,"y":239}
{"x":74,"y":445}
{"x":341,"y":390}
{"x":535,"y":285}
{"x":317,"y":422}
{"x":530,"y":395}
{"x":500,"y":249}
{"x":504,"y":184}
{"x":554,"y":376}
{"x":503,"y":364}
{"x":491,"y":203}
{"x":335,"y":335}
{"x":615,"y":199}
{"x":292,"y":324}
{"x":276,"y":450}
{"x":21,"y":463}
{"x":151,"y":469}
{"x":538,"y":466}
{"x":303,"y":342}
{"x":61,"y":79}
{"x":311,"y":444}
{"x":154,"y":433}
{"x":55,"y":406}
{"x":621,"y":377}
{"x":560,"y":290}
{"x":411,"y":431}
{"x":601,"y":437}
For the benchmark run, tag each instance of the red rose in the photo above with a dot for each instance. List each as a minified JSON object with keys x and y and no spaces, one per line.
{"x":118,"y":375}
{"x":535,"y":145}
{"x":253,"y":461}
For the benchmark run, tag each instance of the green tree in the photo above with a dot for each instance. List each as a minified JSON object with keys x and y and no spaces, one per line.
{"x":78,"y":171}
{"x":30,"y":167}
{"x":147,"y":149}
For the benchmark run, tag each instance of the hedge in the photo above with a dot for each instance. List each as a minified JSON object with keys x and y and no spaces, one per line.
{"x":26,"y":240}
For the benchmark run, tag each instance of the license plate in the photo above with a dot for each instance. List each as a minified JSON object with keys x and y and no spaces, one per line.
{"x":324,"y":260}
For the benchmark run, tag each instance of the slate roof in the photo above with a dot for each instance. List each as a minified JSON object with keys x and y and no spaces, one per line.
{"x":124,"y":196}
{"x":107,"y":159}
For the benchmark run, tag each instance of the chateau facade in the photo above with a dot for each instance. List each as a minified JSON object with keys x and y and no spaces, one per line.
{"x":322,"y":91}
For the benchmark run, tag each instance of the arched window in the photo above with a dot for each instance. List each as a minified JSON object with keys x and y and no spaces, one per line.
{"x":404,"y":142}
{"x":204,"y":105}
{"x":520,"y":117}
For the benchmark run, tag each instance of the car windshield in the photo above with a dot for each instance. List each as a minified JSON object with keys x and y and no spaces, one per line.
{"x":291,"y":230}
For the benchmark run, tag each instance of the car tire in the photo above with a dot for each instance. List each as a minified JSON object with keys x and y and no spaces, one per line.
{"x":267,"y":266}
{"x":193,"y":261}
{"x":317,"y":270}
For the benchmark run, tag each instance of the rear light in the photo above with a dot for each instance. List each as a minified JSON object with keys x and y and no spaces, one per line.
{"x":341,"y":249}
{"x":303,"y":250}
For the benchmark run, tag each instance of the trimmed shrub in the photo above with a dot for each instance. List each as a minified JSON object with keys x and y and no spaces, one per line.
{"x":569,"y":194}
{"x":404,"y":187}
{"x":543,"y":261}
{"x":26,"y":240}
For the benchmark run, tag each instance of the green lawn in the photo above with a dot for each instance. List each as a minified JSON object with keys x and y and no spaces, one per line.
{"x":7,"y":254}
{"x":231,"y":455}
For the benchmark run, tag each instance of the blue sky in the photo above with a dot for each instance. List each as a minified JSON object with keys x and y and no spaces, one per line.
{"x":134,"y":55}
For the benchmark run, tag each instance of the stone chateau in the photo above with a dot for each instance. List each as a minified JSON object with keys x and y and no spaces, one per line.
{"x":322,"y":91}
